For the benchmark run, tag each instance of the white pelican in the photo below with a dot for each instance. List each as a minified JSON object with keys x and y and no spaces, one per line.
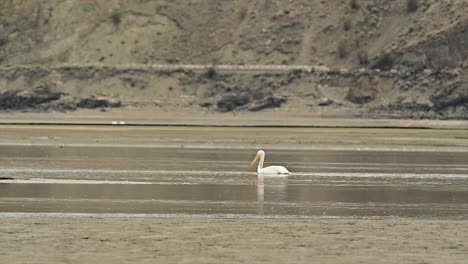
{"x":272,"y":170}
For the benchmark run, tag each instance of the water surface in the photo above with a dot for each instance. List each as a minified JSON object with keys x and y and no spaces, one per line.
{"x":139,"y":180}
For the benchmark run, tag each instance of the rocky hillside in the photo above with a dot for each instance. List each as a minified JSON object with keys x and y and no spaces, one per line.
{"x":423,"y":44}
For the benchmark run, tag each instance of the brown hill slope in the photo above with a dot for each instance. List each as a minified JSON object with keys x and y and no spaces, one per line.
{"x":228,"y":32}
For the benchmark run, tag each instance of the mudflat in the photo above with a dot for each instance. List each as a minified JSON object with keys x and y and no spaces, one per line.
{"x":156,"y":240}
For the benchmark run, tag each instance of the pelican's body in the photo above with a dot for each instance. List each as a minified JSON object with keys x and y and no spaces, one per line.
{"x":271,"y":170}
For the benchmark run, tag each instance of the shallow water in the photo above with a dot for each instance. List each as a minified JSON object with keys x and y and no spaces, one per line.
{"x":136,"y":181}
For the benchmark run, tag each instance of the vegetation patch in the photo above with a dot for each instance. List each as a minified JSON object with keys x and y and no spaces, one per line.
{"x":347,"y":24}
{"x":343,"y":49}
{"x":354,"y":4}
{"x":384,"y":62}
{"x":211,"y":73}
{"x":412,"y":5}
{"x":116,"y":18}
{"x":363,"y":57}
{"x":3,"y":41}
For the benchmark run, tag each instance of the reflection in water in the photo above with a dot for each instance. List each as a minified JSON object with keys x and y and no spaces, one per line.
{"x":260,"y":189}
{"x":260,"y":195}
{"x":274,"y":188}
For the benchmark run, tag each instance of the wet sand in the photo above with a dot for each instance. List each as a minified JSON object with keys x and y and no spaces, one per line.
{"x":399,"y":139}
{"x":266,"y":118}
{"x":120,"y":240}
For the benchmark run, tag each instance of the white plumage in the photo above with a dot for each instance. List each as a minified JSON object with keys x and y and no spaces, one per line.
{"x":271,"y":170}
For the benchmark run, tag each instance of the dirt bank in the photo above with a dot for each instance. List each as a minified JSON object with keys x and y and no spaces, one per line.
{"x":421,"y":94}
{"x":115,"y":240}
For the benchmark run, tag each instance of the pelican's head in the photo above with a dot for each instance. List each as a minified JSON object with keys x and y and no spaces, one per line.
{"x":260,"y":154}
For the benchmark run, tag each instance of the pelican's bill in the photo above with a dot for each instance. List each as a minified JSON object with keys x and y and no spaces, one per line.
{"x":254,"y":161}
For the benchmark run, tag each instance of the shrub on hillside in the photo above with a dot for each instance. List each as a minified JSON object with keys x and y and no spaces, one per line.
{"x":116,"y":18}
{"x":243,"y":12}
{"x":211,"y":72}
{"x":3,"y":41}
{"x":354,"y":4}
{"x":384,"y":62}
{"x":347,"y":24}
{"x":343,"y":48}
{"x":363,"y":57}
{"x":412,"y":5}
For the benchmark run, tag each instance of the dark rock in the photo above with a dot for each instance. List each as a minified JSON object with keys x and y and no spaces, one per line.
{"x":248,"y":100}
{"x":42,"y":99}
{"x":269,"y":102}
{"x":362,"y":92}
{"x":230,"y":102}
{"x":205,"y":104}
{"x":410,"y":109}
{"x":92,"y":103}
{"x":451,"y":96}
{"x":22,"y":100}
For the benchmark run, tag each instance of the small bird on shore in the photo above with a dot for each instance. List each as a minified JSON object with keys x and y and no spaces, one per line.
{"x":271,"y":170}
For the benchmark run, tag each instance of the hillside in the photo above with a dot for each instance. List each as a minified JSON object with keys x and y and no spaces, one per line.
{"x":425,"y":48}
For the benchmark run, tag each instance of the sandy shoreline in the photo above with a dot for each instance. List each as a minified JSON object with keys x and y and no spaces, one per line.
{"x":376,"y":139}
{"x":269,"y":118}
{"x":120,"y":240}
